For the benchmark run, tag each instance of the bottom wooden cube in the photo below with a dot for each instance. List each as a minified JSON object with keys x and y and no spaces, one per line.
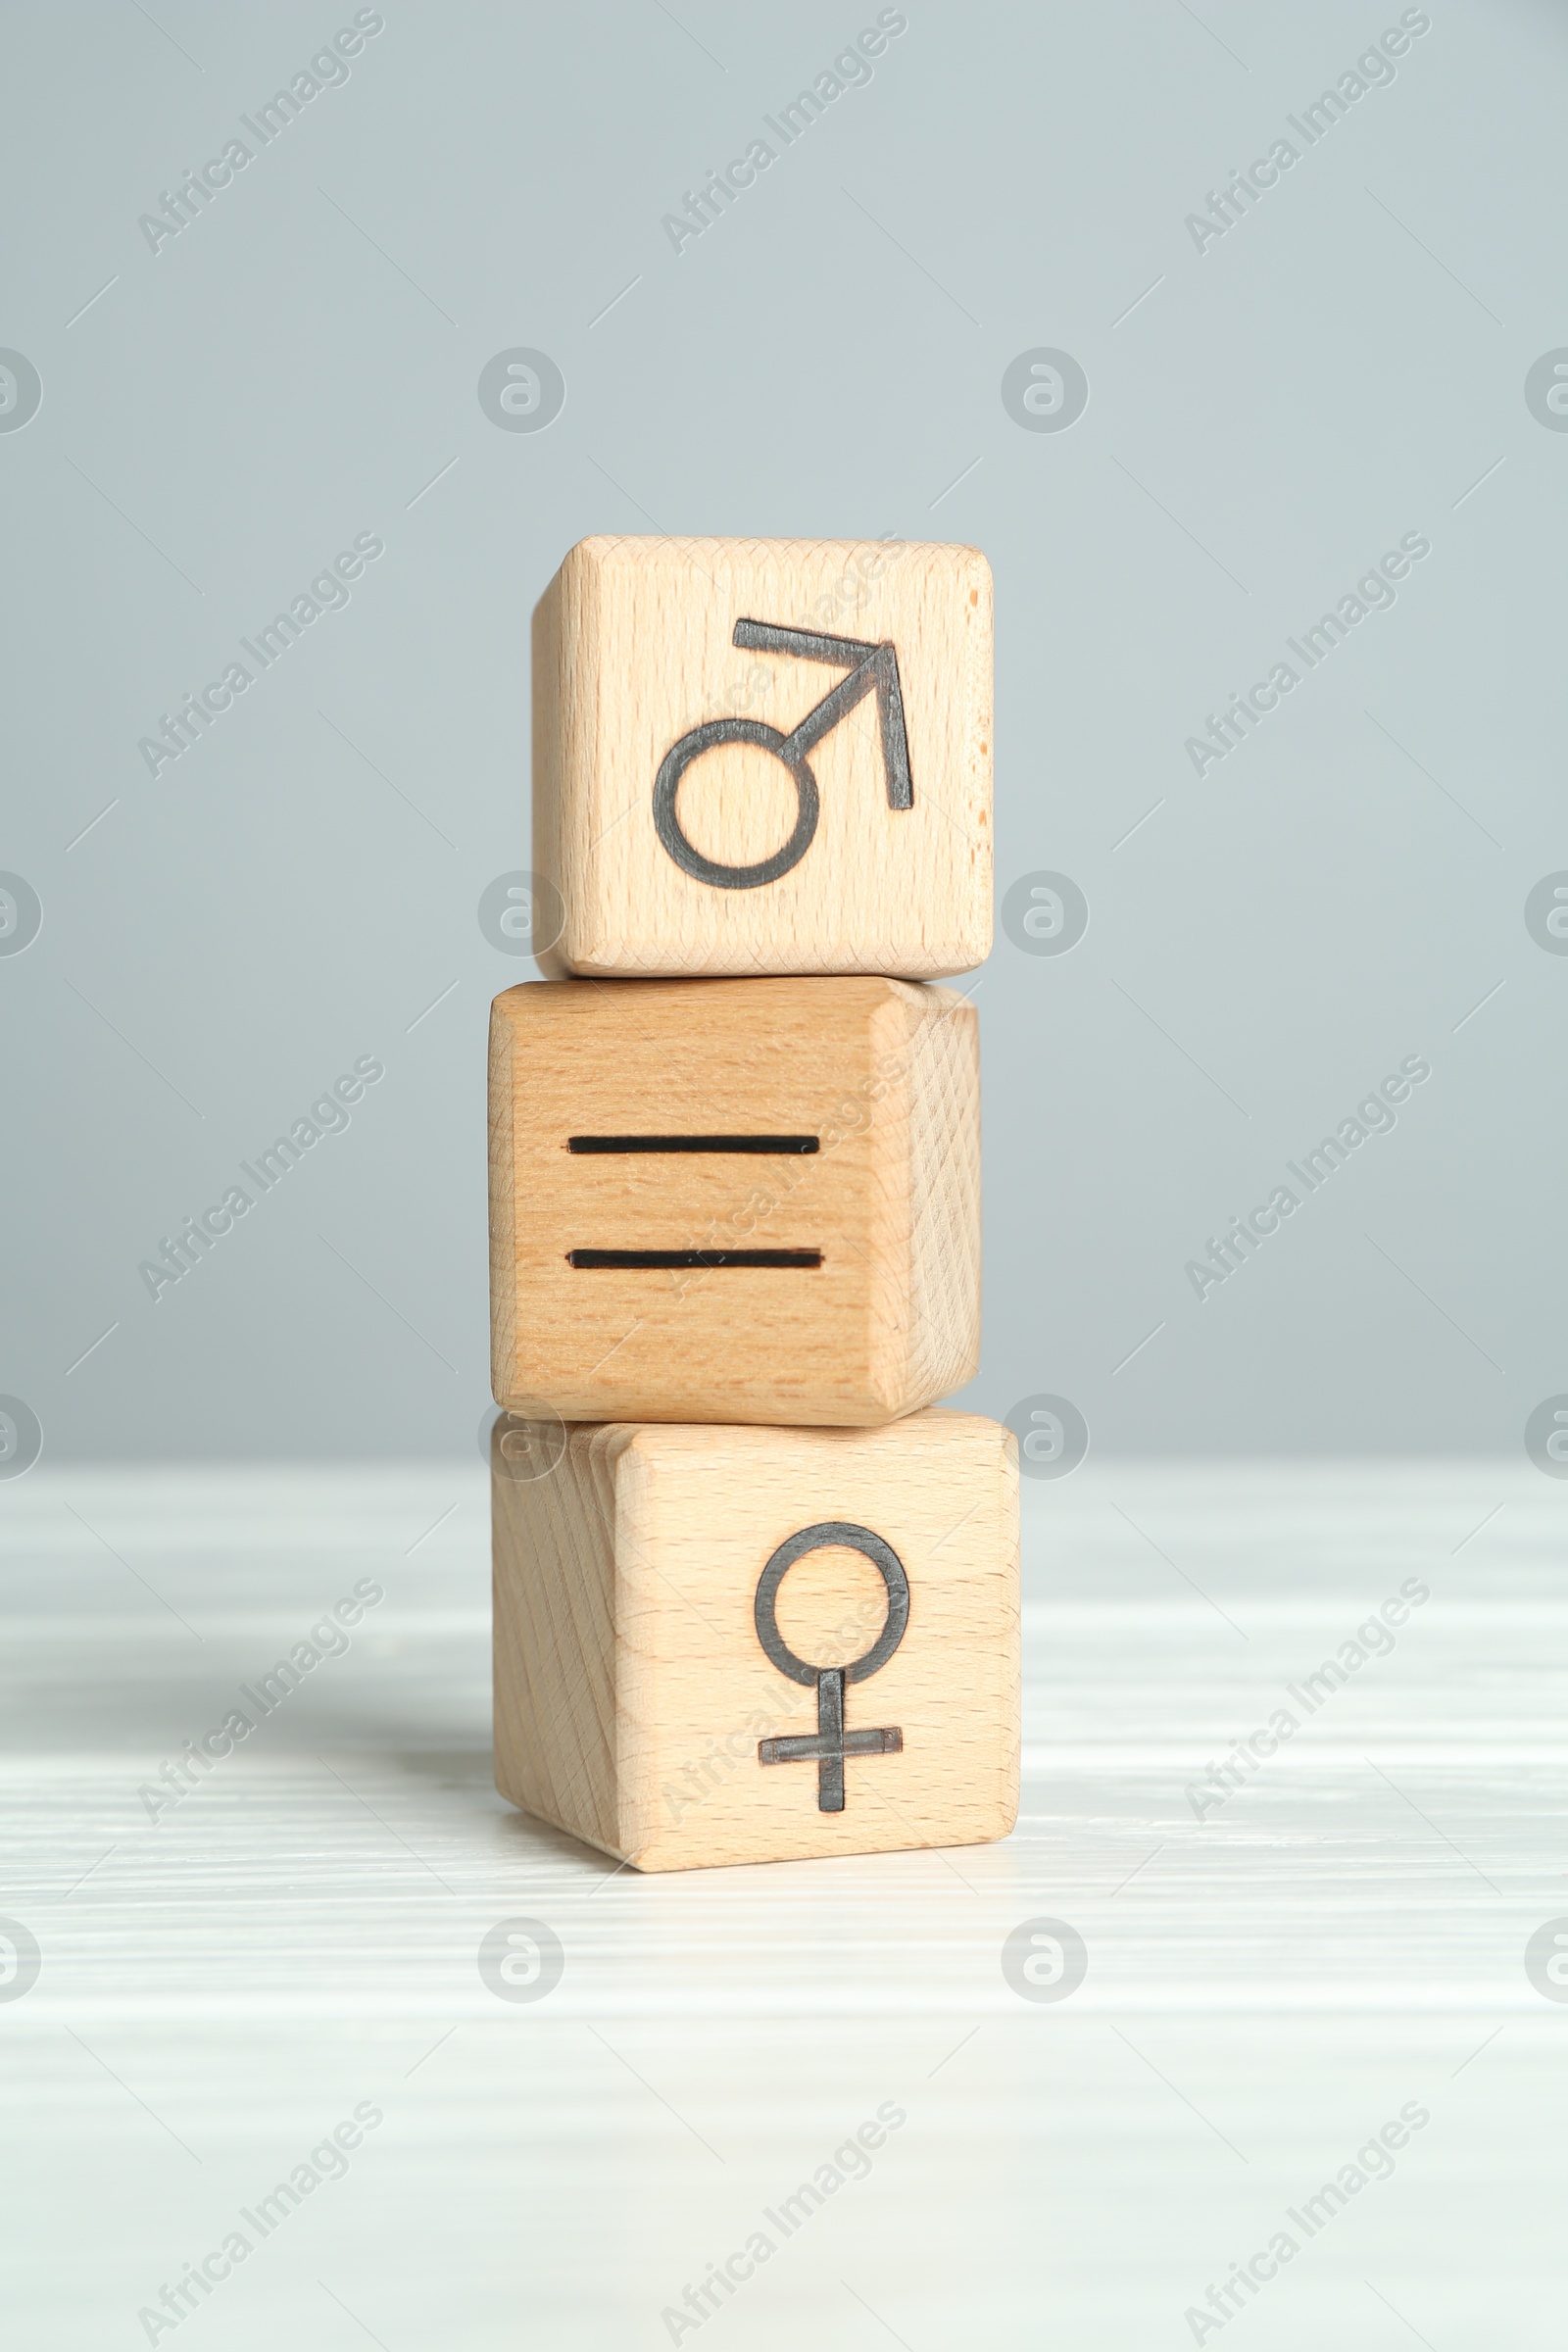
{"x":753,"y":1644}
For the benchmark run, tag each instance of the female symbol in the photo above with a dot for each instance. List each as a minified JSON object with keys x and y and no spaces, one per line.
{"x":831,"y":1742}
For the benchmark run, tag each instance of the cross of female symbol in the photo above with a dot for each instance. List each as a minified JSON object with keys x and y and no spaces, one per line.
{"x":828,"y":1747}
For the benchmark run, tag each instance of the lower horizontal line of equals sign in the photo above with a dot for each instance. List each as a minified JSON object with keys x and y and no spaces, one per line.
{"x":627,"y":1260}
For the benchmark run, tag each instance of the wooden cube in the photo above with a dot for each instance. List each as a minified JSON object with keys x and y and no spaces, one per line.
{"x":750,"y":1645}
{"x":733,"y":1199}
{"x":766,"y":756}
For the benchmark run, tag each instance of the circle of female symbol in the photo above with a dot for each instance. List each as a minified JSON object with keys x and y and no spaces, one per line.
{"x":831,"y":1742}
{"x":873,"y":669}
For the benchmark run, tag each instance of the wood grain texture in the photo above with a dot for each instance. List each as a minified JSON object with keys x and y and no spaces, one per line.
{"x":631,"y":1690}
{"x":555,"y":1708}
{"x":882,"y":1074}
{"x":632,"y":649}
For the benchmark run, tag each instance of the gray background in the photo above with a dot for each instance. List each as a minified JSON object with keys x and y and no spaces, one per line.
{"x":1265,"y":419}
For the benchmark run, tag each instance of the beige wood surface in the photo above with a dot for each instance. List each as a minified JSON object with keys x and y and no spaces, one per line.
{"x":885,"y":1075}
{"x":631,"y":1690}
{"x":632,"y":649}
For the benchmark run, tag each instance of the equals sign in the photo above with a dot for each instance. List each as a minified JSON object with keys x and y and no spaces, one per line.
{"x":758,"y":1146}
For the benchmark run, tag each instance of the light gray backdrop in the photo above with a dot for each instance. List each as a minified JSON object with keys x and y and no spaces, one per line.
{"x":1270,"y":411}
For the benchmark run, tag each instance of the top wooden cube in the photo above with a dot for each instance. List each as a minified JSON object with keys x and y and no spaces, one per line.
{"x":758,"y":756}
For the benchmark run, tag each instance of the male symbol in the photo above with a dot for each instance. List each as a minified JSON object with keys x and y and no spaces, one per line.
{"x":831,"y":1742}
{"x":876,"y":669}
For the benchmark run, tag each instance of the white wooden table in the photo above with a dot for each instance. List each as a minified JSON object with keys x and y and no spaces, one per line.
{"x":297,"y":1937}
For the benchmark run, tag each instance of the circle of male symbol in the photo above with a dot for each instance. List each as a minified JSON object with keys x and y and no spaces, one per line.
{"x":872,"y":668}
{"x":831,"y":1742}
{"x":686,"y":854}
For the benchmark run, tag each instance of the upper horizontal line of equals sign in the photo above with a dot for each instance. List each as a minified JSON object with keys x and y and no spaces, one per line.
{"x":774,"y":1146}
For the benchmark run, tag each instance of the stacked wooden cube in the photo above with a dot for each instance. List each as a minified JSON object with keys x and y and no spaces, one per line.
{"x":755,"y":1598}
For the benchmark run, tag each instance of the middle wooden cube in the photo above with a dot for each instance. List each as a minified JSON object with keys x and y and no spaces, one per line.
{"x":733,"y":1199}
